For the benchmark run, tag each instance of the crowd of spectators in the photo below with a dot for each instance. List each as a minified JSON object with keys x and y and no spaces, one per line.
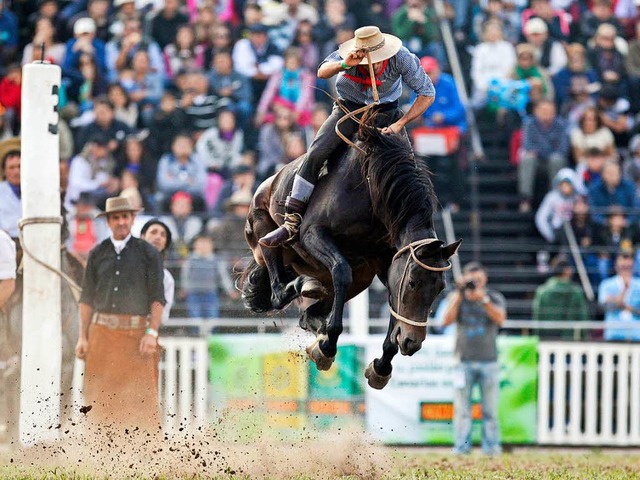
{"x":186,"y":106}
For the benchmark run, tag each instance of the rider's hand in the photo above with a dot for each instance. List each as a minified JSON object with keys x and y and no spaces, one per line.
{"x":82,"y":347}
{"x":355,"y":57}
{"x":393,"y":128}
{"x":148,"y":345}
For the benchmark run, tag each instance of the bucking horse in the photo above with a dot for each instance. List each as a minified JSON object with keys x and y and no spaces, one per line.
{"x":370,"y":214}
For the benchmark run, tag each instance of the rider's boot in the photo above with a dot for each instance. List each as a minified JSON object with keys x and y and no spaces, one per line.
{"x":293,"y":211}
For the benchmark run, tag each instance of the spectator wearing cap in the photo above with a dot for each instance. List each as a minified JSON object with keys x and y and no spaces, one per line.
{"x":9,"y":34}
{"x":158,"y":234}
{"x":612,"y":189}
{"x":182,"y":223}
{"x":106,"y":124}
{"x":227,"y":83}
{"x":84,"y":42}
{"x":96,"y":10}
{"x":166,"y":22}
{"x":257,"y":58}
{"x":92,"y":170}
{"x":557,"y":205}
{"x":182,"y":170}
{"x":243,"y":179}
{"x":619,"y":297}
{"x":54,"y":52}
{"x":86,"y":229}
{"x":558,"y":22}
{"x":560,"y":299}
{"x":120,"y":50}
{"x":548,"y":51}
{"x":10,"y":194}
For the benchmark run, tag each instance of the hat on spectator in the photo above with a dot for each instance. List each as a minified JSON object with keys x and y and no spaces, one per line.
{"x":181,"y":196}
{"x":380,"y":46}
{"x":429,"y":64}
{"x":535,"y":25}
{"x":85,"y":198}
{"x":84,"y":25}
{"x":258,"y":28}
{"x":117,"y":205}
{"x":119,"y":3}
{"x":11,"y":145}
{"x":239,"y":198}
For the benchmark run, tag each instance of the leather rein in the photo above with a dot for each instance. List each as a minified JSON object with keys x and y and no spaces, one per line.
{"x":412,"y":247}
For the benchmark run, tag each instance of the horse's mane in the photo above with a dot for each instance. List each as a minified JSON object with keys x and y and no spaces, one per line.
{"x":400,"y":187}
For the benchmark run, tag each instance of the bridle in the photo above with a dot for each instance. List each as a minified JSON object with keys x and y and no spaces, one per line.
{"x":412,"y":247}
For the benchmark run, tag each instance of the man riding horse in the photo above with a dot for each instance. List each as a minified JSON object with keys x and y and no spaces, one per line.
{"x":392,"y":63}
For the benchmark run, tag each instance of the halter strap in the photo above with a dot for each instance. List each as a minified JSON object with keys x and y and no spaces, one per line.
{"x":412,"y":247}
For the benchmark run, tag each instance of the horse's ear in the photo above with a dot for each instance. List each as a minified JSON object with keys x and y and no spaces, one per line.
{"x":450,"y":250}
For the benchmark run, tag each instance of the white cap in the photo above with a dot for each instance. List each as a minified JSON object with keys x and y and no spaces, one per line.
{"x":84,"y":25}
{"x":119,"y":3}
{"x":535,"y":25}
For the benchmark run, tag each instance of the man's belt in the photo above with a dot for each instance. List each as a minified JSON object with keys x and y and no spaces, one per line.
{"x":117,"y":321}
{"x":382,"y":107}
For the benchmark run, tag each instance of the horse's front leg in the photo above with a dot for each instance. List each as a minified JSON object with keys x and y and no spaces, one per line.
{"x":378,"y":372}
{"x":320,"y":244}
{"x":283,"y":292}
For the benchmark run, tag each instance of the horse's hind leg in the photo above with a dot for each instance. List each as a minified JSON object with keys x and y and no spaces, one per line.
{"x":378,"y":372}
{"x":319,"y":243}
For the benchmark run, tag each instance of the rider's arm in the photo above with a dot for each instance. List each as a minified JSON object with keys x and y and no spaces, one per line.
{"x":329,"y":68}
{"x":417,"y":109}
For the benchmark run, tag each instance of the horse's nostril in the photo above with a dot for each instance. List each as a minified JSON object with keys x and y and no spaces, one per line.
{"x":407,"y":344}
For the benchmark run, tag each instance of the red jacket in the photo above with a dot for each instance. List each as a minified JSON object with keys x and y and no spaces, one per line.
{"x":10,"y":95}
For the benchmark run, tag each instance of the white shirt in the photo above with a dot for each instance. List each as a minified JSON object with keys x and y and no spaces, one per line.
{"x":244,"y":60}
{"x":491,"y":60}
{"x":83,"y":178}
{"x":7,"y":257}
{"x":119,"y":245}
{"x":169,"y":293}
{"x":10,"y":210}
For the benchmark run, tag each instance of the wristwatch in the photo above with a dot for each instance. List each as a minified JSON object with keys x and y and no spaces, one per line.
{"x":486,"y":300}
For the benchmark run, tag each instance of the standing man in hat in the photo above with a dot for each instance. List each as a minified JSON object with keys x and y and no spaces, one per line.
{"x":392,"y":64}
{"x":10,"y":194}
{"x":120,"y":311}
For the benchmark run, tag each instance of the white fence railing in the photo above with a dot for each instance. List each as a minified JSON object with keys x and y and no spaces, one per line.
{"x":589,"y":394}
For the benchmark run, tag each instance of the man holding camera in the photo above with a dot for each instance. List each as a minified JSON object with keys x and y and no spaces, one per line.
{"x":478,"y":313}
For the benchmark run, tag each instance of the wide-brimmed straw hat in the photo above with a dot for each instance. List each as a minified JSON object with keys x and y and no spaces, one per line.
{"x":6,"y":147}
{"x":116,"y":205}
{"x":380,"y":45}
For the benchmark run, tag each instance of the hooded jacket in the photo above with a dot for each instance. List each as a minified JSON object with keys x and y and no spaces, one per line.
{"x":556,"y":208}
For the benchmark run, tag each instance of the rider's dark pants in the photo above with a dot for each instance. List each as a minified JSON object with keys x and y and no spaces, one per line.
{"x":327,"y":141}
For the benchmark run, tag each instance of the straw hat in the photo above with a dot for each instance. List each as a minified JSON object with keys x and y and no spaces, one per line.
{"x":6,"y":147}
{"x":380,"y":45}
{"x":117,"y":204}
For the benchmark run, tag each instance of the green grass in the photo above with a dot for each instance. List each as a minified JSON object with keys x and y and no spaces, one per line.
{"x":419,"y":464}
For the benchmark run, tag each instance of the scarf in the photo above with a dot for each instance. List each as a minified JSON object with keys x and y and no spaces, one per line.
{"x":365,"y":80}
{"x":290,"y":85}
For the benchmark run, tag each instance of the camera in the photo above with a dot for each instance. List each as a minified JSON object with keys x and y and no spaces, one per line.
{"x":470,"y":285}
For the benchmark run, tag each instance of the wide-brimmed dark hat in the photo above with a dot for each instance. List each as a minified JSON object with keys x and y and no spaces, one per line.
{"x":116,"y":205}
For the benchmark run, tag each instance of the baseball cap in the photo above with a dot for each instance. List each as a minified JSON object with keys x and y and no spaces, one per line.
{"x":84,"y":25}
{"x":429,"y":64}
{"x":535,"y":25}
{"x":181,"y":196}
{"x":258,"y":28}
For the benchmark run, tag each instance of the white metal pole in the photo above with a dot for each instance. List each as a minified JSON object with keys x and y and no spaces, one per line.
{"x":41,"y":318}
{"x":359,"y":314}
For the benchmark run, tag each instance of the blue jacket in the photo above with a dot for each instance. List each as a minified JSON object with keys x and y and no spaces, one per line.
{"x":600,"y":199}
{"x":447,"y":103}
{"x":8,"y":28}
{"x":71,"y":60}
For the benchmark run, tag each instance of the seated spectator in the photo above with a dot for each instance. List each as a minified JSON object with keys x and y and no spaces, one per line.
{"x":612,"y":189}
{"x":631,"y":167}
{"x":86,"y":229}
{"x":181,"y":170}
{"x":54,"y":52}
{"x":231,"y":85}
{"x":557,"y":206}
{"x":92,"y":171}
{"x":96,"y":10}
{"x":10,"y":194}
{"x":124,"y":109}
{"x":90,"y":85}
{"x":416,"y":25}
{"x":447,"y":110}
{"x":200,"y":104}
{"x":559,"y":298}
{"x":227,"y":232}
{"x":11,"y":92}
{"x":168,"y":121}
{"x":271,"y":141}
{"x":292,"y":88}
{"x":589,"y":170}
{"x":607,"y":61}
{"x":217,"y":39}
{"x":305,"y":41}
{"x":166,"y":22}
{"x":557,"y":21}
{"x":183,"y":224}
{"x":616,"y":235}
{"x":544,"y":141}
{"x":184,"y":53}
{"x":601,"y":12}
{"x":494,"y":10}
{"x":591,"y":133}
{"x":619,"y":297}
{"x":9,"y":31}
{"x":83,"y":43}
{"x":104,"y":123}
{"x":257,"y":58}
{"x":614,"y":114}
{"x":203,"y":275}
{"x":243,"y":179}
{"x":120,"y":51}
{"x":124,"y":11}
{"x":493,"y":58}
{"x":528,"y":69}
{"x":549,"y":51}
{"x":573,"y":80}
{"x":144,"y":85}
{"x":136,"y":160}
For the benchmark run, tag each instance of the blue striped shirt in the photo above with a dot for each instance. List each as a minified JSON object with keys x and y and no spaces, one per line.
{"x":404,"y":65}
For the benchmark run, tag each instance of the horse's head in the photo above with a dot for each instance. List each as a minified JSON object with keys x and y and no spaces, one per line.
{"x":415,"y":278}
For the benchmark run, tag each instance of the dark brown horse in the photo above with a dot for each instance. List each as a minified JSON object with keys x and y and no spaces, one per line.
{"x":371,"y":214}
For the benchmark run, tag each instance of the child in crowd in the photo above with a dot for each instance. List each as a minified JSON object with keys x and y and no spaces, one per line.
{"x":557,"y":205}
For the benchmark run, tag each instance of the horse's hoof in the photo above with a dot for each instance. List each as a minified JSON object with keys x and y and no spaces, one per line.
{"x":312,"y":288}
{"x":374,"y":380}
{"x":315,"y":354}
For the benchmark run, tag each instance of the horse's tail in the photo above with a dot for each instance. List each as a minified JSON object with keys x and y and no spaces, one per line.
{"x":256,"y":288}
